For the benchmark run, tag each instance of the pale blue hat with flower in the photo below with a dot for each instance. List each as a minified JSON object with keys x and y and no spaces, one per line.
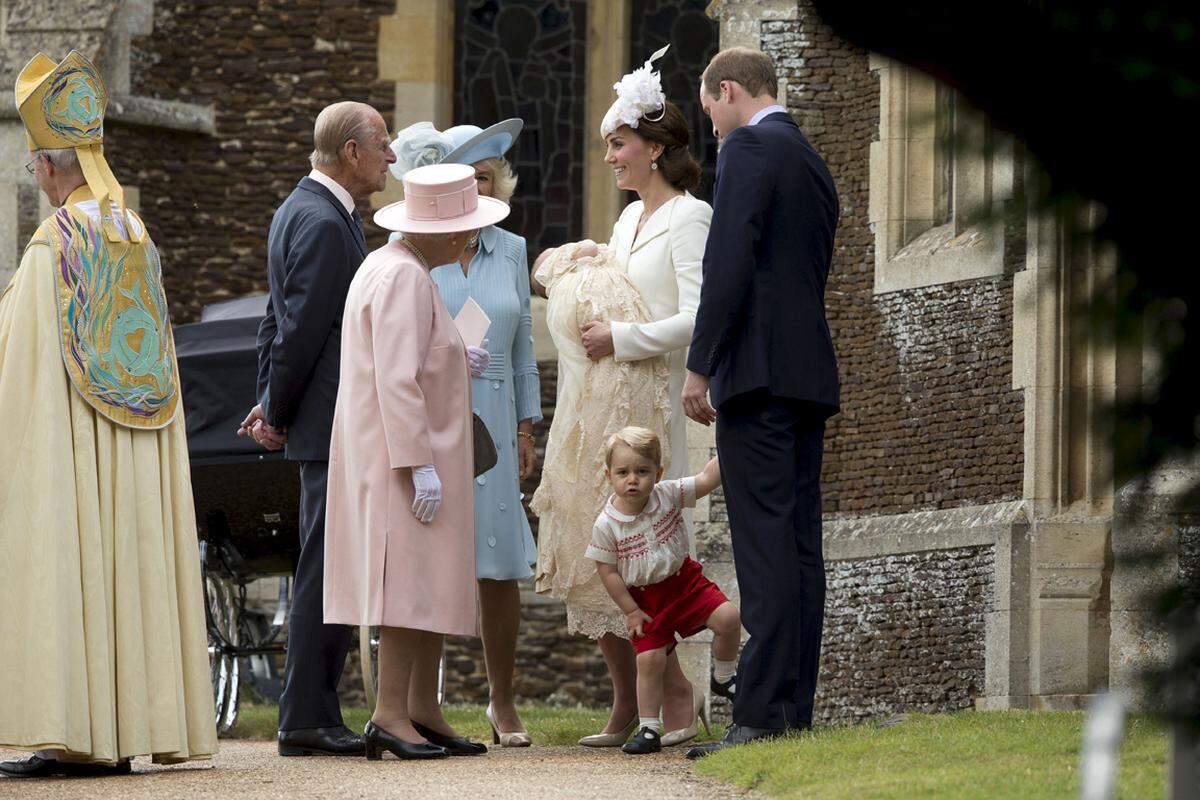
{"x":422,"y":144}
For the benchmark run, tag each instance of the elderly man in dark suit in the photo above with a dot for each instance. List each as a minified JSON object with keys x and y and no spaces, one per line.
{"x":313,"y":250}
{"x":761,"y":348}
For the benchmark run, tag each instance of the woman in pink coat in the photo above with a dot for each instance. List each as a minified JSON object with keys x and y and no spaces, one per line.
{"x":400,"y":541}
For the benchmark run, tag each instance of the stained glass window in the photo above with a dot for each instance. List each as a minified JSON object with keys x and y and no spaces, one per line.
{"x":528,"y":59}
{"x":694,"y":40}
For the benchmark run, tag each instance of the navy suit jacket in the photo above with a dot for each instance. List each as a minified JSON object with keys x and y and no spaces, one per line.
{"x":761,"y":321}
{"x":313,"y":250}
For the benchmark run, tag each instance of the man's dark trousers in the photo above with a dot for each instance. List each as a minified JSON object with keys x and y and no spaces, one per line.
{"x":309,"y":699}
{"x":314,"y":247}
{"x":774,"y":503}
{"x":762,"y":338}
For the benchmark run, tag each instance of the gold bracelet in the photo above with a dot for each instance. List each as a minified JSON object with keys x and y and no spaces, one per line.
{"x":528,"y":436}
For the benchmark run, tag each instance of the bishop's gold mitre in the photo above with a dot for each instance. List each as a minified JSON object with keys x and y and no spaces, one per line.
{"x":62,"y":106}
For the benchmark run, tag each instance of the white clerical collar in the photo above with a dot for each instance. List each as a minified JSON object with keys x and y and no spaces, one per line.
{"x":775,"y":109}
{"x":338,"y":191}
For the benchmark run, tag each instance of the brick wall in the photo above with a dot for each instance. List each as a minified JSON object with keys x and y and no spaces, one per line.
{"x":551,"y":667}
{"x":929,"y":418}
{"x":268,"y":69}
{"x":904,"y":633}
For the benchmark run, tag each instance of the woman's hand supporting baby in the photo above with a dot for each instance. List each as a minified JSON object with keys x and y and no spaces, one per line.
{"x":597,"y":339}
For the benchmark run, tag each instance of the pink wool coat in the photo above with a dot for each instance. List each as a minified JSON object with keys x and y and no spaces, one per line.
{"x":404,"y":399}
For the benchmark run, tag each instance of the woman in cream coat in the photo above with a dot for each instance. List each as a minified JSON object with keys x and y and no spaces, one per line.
{"x":659,"y":239}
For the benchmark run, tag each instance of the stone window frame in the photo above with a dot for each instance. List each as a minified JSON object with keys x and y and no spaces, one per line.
{"x":929,"y":201}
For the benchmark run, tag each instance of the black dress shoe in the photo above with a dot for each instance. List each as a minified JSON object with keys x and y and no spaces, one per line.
{"x":38,"y":767}
{"x":456,"y":745}
{"x":727,"y":689}
{"x":377,"y":740}
{"x":734,"y":736}
{"x":332,"y":741}
{"x":644,"y":741}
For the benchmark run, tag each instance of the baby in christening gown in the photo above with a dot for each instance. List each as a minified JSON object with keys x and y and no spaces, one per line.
{"x":595,"y":399}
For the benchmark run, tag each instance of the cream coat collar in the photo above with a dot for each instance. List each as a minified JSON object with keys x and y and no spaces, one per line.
{"x":658,"y":224}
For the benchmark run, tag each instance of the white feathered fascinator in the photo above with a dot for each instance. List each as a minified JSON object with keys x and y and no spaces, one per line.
{"x":419,"y":145}
{"x":638,"y":94}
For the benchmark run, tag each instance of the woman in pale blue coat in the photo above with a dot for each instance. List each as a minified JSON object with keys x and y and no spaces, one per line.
{"x":494,"y":272}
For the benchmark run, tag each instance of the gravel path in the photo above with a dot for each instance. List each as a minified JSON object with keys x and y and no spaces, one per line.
{"x":252,"y":770}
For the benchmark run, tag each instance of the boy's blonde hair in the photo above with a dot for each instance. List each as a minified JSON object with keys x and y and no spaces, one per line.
{"x":642,"y":441}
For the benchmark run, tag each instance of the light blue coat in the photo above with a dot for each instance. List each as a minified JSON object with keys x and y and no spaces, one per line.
{"x":498,"y":279}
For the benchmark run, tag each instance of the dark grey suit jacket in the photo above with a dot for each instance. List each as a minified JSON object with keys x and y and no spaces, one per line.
{"x":313,"y":250}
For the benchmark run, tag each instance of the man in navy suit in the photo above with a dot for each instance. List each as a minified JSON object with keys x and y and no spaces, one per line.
{"x":314,"y":247}
{"x":762,"y":351}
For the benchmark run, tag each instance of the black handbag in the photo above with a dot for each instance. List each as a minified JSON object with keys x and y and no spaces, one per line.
{"x":485,"y":448}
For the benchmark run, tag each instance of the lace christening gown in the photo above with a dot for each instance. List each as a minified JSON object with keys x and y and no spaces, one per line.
{"x":595,"y":400}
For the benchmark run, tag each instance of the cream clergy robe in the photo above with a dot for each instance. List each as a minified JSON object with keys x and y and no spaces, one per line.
{"x":102,"y":634}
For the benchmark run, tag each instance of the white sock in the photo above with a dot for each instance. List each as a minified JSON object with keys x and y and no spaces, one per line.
{"x":653,"y":723}
{"x":724,"y":670}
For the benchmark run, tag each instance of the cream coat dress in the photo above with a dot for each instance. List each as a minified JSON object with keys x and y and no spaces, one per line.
{"x":404,"y":399}
{"x":663,"y":263}
{"x":103,"y":649}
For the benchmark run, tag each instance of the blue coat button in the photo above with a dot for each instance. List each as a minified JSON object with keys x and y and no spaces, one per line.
{"x":481,"y":480}
{"x":491,"y":541}
{"x":503,"y":507}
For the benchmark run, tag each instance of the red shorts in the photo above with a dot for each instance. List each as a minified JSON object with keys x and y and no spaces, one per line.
{"x":682,"y":603}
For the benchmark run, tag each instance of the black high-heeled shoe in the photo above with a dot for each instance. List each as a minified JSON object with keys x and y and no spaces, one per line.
{"x":456,"y":745}
{"x":376,"y":740}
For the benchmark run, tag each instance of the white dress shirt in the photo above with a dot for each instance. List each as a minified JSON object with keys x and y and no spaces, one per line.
{"x":775,"y":109}
{"x":338,"y":190}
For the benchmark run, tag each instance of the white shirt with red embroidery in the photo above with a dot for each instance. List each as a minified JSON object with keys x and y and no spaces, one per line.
{"x":648,"y":547}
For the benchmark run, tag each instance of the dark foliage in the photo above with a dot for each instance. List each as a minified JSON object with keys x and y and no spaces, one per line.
{"x":1100,"y":94}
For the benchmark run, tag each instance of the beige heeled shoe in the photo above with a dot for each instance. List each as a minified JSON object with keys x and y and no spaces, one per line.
{"x":611,"y":739}
{"x":699,"y":714}
{"x":518,"y":739}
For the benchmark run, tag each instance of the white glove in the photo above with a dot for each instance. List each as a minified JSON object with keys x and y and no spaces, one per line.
{"x":428,"y":490}
{"x":479,"y":359}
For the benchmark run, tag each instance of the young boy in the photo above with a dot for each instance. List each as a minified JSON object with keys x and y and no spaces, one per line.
{"x":640,"y":546}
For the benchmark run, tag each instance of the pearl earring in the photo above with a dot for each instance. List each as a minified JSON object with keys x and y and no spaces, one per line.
{"x":653,"y":165}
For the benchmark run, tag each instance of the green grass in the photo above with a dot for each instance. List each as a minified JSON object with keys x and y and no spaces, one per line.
{"x":547,"y":725}
{"x":991,"y":755}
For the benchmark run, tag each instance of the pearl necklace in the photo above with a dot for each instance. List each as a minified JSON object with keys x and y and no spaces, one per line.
{"x":412,"y":248}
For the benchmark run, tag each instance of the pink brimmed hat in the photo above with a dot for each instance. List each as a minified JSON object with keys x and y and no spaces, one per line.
{"x":441,"y":198}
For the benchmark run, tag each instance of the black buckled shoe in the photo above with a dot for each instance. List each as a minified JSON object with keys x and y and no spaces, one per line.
{"x":455,"y":745}
{"x":644,"y":741}
{"x":728,"y":689}
{"x":38,"y":767}
{"x":332,"y":741}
